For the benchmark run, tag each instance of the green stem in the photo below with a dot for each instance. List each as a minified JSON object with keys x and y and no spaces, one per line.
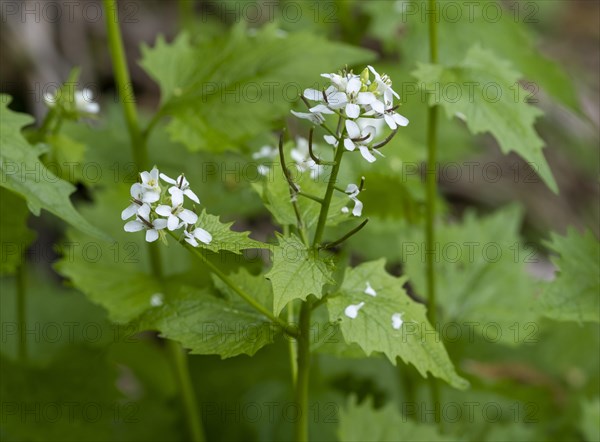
{"x":303,"y":373}
{"x":21,"y":309}
{"x":124,"y":85}
{"x":328,"y":194}
{"x":431,"y":194}
{"x":185,"y":9}
{"x":140,"y":156}
{"x":180,"y":365}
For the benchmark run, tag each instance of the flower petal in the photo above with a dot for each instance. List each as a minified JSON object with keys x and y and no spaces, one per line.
{"x":401,"y":120}
{"x":151,"y":235}
{"x":202,"y":235}
{"x":144,"y":211}
{"x":366,"y":153}
{"x":354,"y":85}
{"x":188,"y":216}
{"x":164,"y":210}
{"x":176,"y":196}
{"x":390,"y":121}
{"x":145,"y":177}
{"x":129,"y":211}
{"x":133,"y":226}
{"x":352,"y":110}
{"x":352,"y":129}
{"x":150,"y":196}
{"x":160,"y":223}
{"x":358,"y":206}
{"x":330,"y":139}
{"x":366,"y":98}
{"x":349,"y":144}
{"x":167,"y":179}
{"x":191,"y":195}
{"x":313,"y":94}
{"x":172,"y":222}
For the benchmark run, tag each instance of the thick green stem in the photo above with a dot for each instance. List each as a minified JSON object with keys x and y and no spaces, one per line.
{"x":180,"y":365}
{"x":140,"y":156}
{"x":124,"y":85}
{"x":328,"y":194}
{"x":431,"y":194}
{"x":303,"y":373}
{"x":21,"y":310}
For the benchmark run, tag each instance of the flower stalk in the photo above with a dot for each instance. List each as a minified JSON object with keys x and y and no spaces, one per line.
{"x":140,"y":155}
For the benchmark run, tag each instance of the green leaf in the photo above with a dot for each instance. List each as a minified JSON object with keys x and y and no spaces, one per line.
{"x":481,"y":276}
{"x":223,"y":238}
{"x":124,"y":294}
{"x":361,"y":422}
{"x":485,"y":88}
{"x":296,"y":272}
{"x":67,"y":157}
{"x":23,"y":173}
{"x":15,"y":236}
{"x":503,"y":30}
{"x":207,"y":324}
{"x":65,"y":404}
{"x":575,"y":293}
{"x":223,"y":92}
{"x":415,"y":342}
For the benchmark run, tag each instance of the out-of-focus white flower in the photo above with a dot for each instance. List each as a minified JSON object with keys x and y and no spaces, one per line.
{"x":301,"y":156}
{"x":352,"y":191}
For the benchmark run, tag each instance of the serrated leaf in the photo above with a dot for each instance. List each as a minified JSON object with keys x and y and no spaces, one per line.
{"x":296,"y":272}
{"x":416,"y":342}
{"x":15,"y":236}
{"x":506,"y":116}
{"x":361,"y":422}
{"x":223,"y":238}
{"x":23,"y":173}
{"x":225,"y":91}
{"x":481,"y":276}
{"x":575,"y":293}
{"x":507,"y":31}
{"x":207,"y":324}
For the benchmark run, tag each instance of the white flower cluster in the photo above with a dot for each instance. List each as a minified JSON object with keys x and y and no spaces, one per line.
{"x":362,"y":101}
{"x":84,"y":101}
{"x":154,"y":211}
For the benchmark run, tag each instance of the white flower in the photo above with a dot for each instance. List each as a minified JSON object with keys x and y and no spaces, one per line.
{"x":84,"y":102}
{"x":157,"y":299}
{"x":370,"y":290}
{"x":394,"y":119}
{"x":315,"y":118}
{"x":352,"y":191}
{"x":197,"y":234}
{"x":397,"y":321}
{"x":176,"y":213}
{"x":360,"y":138}
{"x":352,"y":310}
{"x":265,"y":152}
{"x":383,"y":85}
{"x":143,"y":222}
{"x":301,"y":157}
{"x":151,"y":189}
{"x":137,"y":200}
{"x":180,"y":188}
